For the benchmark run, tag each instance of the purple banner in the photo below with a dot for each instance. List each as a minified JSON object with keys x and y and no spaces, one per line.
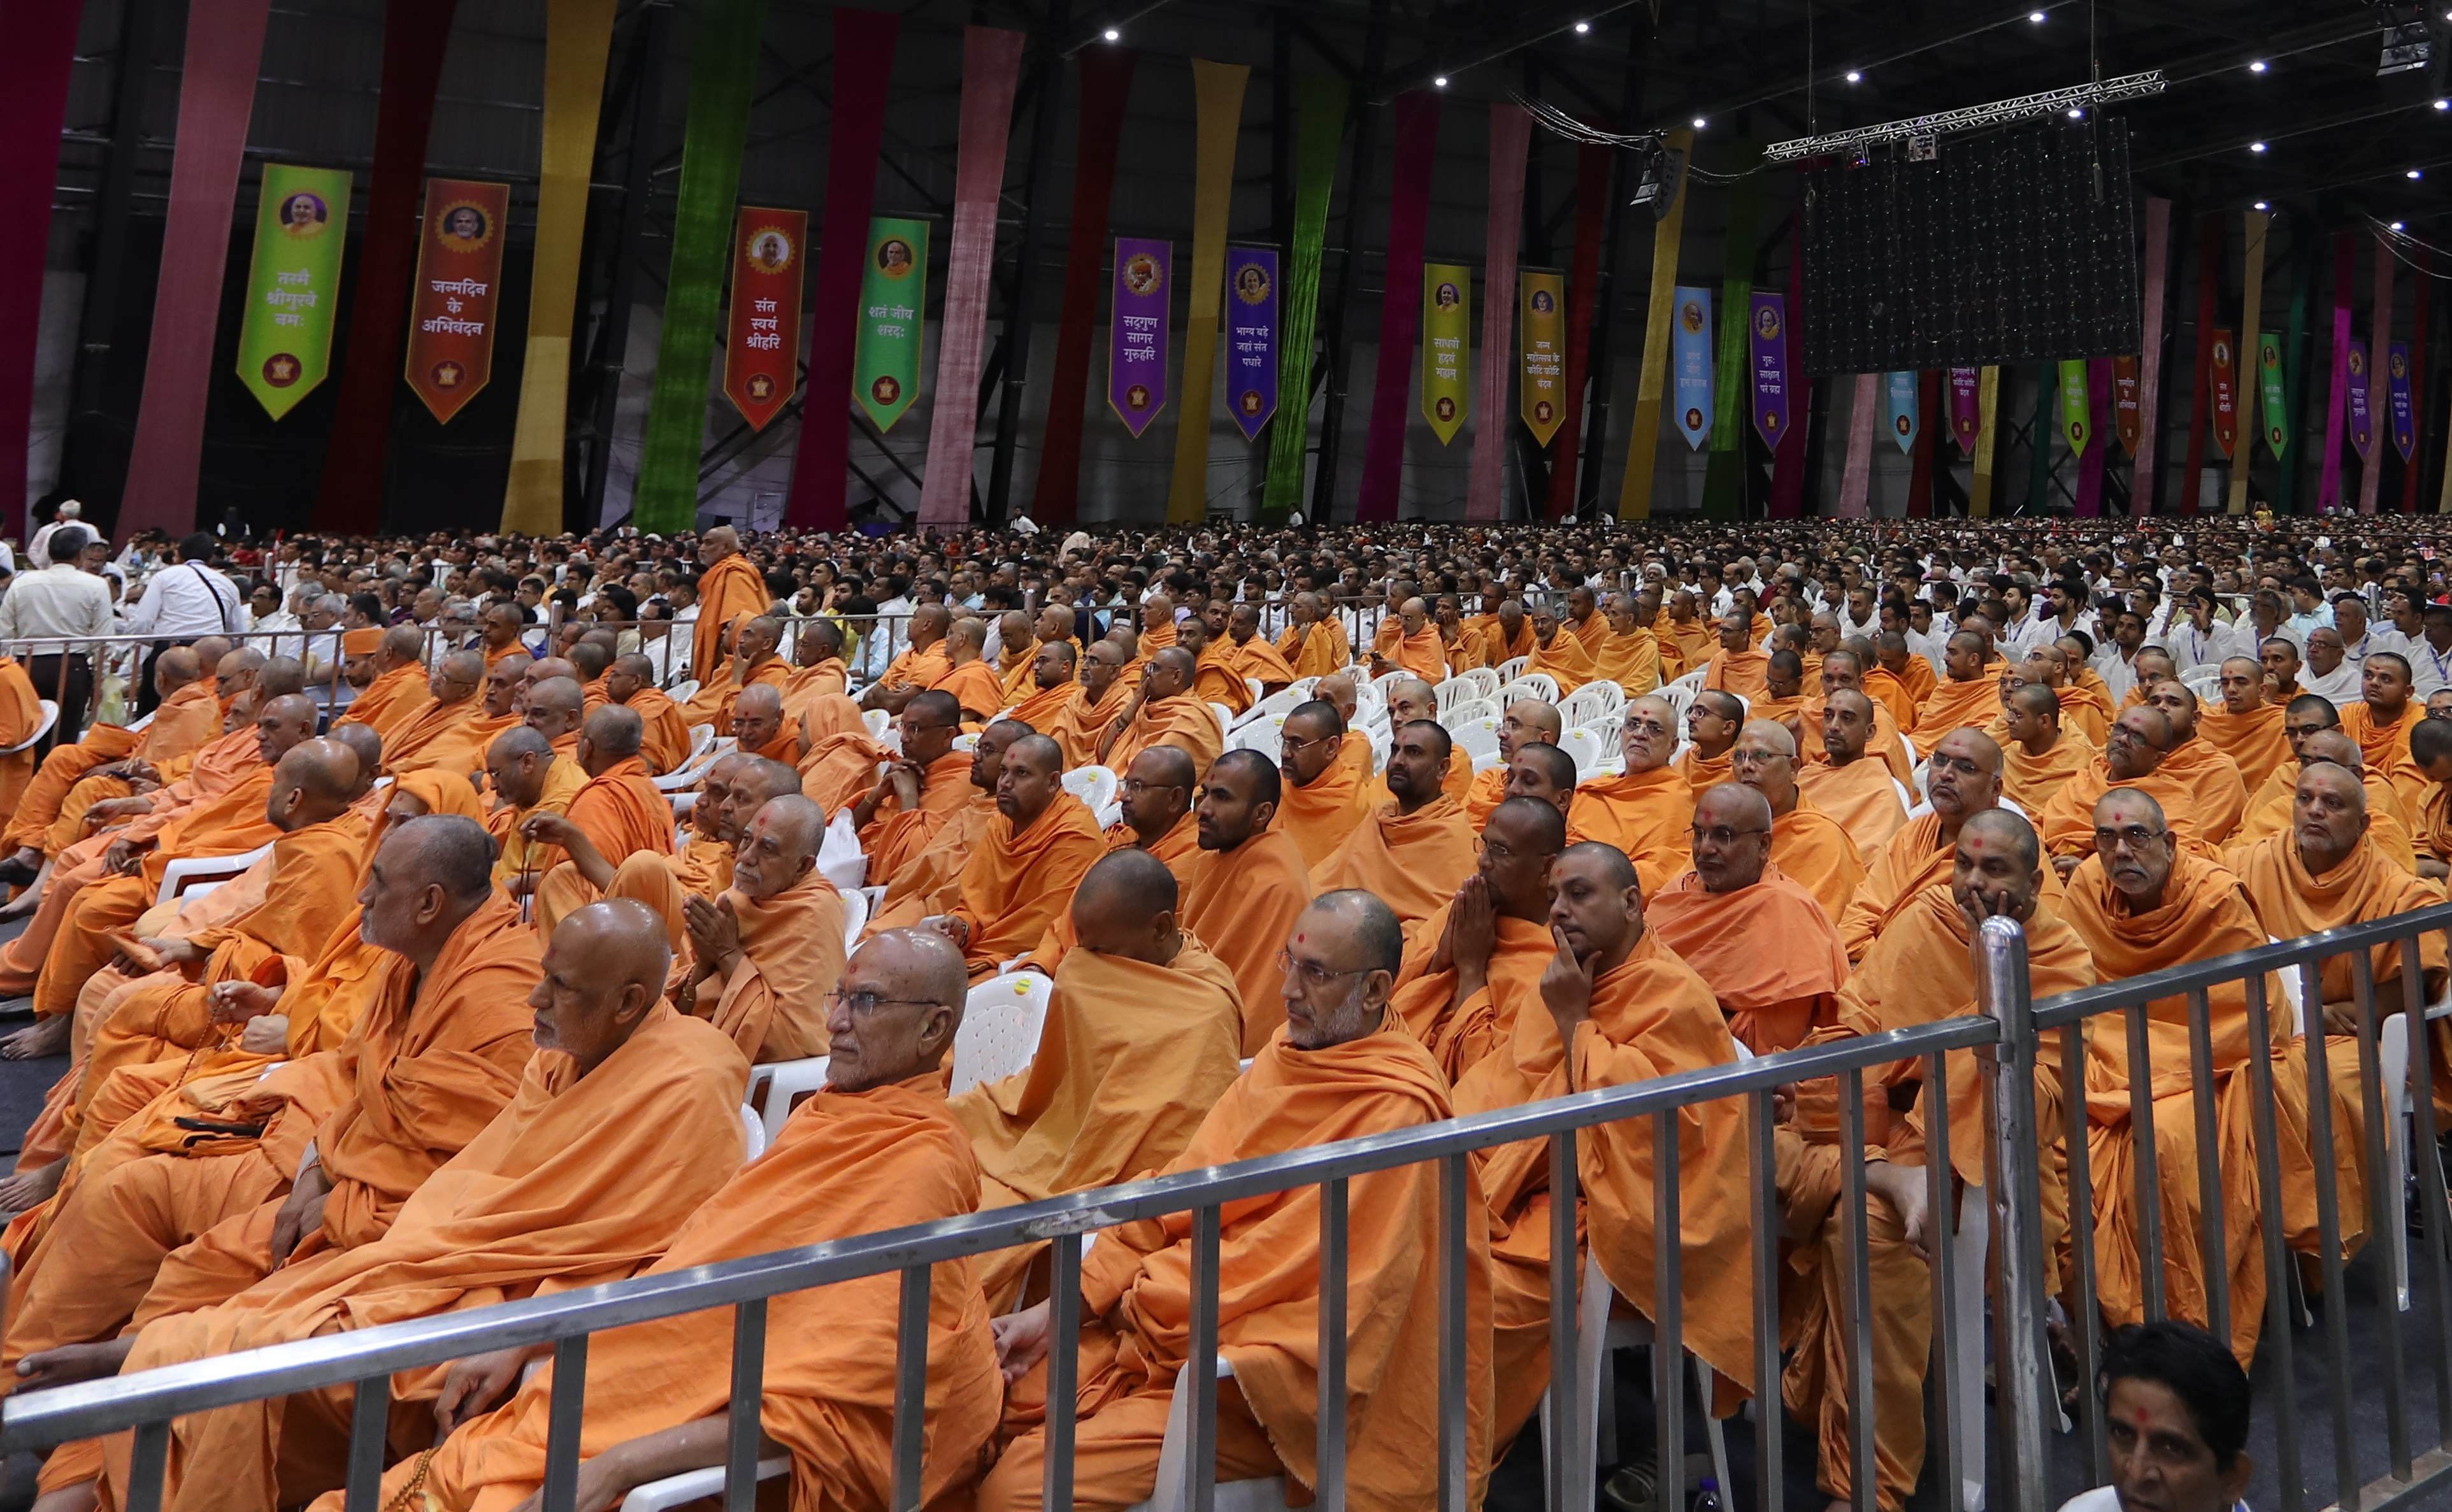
{"x":1137,"y":343}
{"x":2404,"y":425}
{"x":1767,"y":331}
{"x":1965,"y":413}
{"x":2361,"y":414}
{"x":1252,"y":336}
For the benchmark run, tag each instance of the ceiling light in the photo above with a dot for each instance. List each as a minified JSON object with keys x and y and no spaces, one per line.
{"x":2395,"y":226}
{"x":1114,"y":36}
{"x":2036,"y":17}
{"x":2414,"y":173}
{"x":2076,"y":114}
{"x":1441,"y":81}
{"x":1582,"y":27}
{"x":2256,"y":146}
{"x":2260,"y":205}
{"x":1853,"y":77}
{"x":1698,"y":123}
{"x":2258,"y":67}
{"x":2444,"y":105}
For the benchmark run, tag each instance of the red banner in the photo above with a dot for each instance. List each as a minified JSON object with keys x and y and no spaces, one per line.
{"x":761,"y":353}
{"x":459,"y":282}
{"x":2225,"y":387}
{"x":2125,"y":416}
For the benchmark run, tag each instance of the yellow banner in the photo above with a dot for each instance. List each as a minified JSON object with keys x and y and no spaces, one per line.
{"x":1218,"y":97}
{"x":1541,"y":353}
{"x":1447,"y":311}
{"x":1634,"y":495}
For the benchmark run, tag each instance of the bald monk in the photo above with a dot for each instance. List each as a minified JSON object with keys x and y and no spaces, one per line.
{"x":2430,"y":751}
{"x":1713,"y":721}
{"x":454,"y":687}
{"x":1807,"y":845}
{"x":1758,"y":940}
{"x":1144,"y":1031}
{"x":435,"y":1053}
{"x":2133,"y":759}
{"x":1343,"y":689}
{"x":755,"y":662}
{"x":1249,"y":652}
{"x":399,"y":689}
{"x":1645,"y":810}
{"x":1247,"y":884}
{"x":1966,"y":696}
{"x":919,"y":667}
{"x":898,"y":815}
{"x":970,"y":677}
{"x":2381,"y":722}
{"x":1963,"y":781}
{"x":758,"y":726}
{"x":1165,"y":712}
{"x":819,"y":675}
{"x":2392,"y":839}
{"x":1737,"y":667}
{"x":2085,"y":709}
{"x":528,"y":777}
{"x":2268,"y":804}
{"x":767,"y":948}
{"x":1098,"y":702}
{"x":1854,"y":789}
{"x":1047,"y":686}
{"x":1214,"y":678}
{"x":1543,"y":771}
{"x":463,"y":750}
{"x":1557,"y":652}
{"x":1017,"y":648}
{"x":1417,"y":650}
{"x":930,"y":879}
{"x":1527,"y":721}
{"x":1324,"y":795}
{"x":1506,"y":635}
{"x":1413,"y":849}
{"x":1845,"y":669}
{"x":2143,"y":903}
{"x":617,"y":812}
{"x":729,"y":588}
{"x":1782,"y":700}
{"x":1343,"y":1067}
{"x":2039,"y":753}
{"x":556,"y":707}
{"x":1156,"y":797}
{"x":630,"y":682}
{"x":1913,"y":675}
{"x":1410,"y":698}
{"x":1026,"y":865}
{"x":111,"y":758}
{"x":1489,"y":932}
{"x":2244,"y":725}
{"x":590,"y":659}
{"x":1919,"y":972}
{"x":1314,"y":643}
{"x":2213,"y":778}
{"x":1156,"y":625}
{"x":874,"y":1149}
{"x":1629,"y":653}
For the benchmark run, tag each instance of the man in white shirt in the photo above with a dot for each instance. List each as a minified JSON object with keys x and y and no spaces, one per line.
{"x":2329,"y":672}
{"x":2350,"y":619}
{"x":179,"y":604}
{"x":38,"y":550}
{"x":2198,"y":639}
{"x":48,"y":619}
{"x":2429,"y":654}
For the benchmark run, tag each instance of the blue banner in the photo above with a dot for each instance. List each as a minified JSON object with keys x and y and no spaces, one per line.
{"x":1905,"y":420}
{"x":1693,"y":346}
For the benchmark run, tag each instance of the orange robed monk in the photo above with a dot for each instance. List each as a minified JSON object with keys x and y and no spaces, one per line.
{"x":769,"y":945}
{"x":2245,"y":726}
{"x":1158,"y":821}
{"x":1040,"y":845}
{"x":1966,"y":696}
{"x":729,"y":588}
{"x":1417,"y":649}
{"x":1408,"y":700}
{"x":1343,"y":1067}
{"x":1962,"y":780}
{"x":1737,"y":667}
{"x":1758,"y":940}
{"x":1246,"y":885}
{"x":1559,"y":652}
{"x":2212,"y":776}
{"x":399,"y":689}
{"x":1323,"y":792}
{"x":2132,"y":757}
{"x":874,"y":1149}
{"x":1526,"y":722}
{"x":617,"y":813}
{"x":1807,"y":845}
{"x":925,"y":877}
{"x":1249,"y":652}
{"x":454,"y":690}
{"x":1713,"y":721}
{"x":2038,"y":754}
{"x":1629,"y":655}
{"x":755,"y":661}
{"x":1412,"y":851}
{"x":111,"y":758}
{"x":1165,"y":712}
{"x":1644,"y":811}
{"x":1855,"y":789}
{"x":1314,"y":643}
{"x":630,"y":682}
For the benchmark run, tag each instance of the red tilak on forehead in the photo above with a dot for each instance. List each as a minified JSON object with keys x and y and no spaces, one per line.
{"x":2140,"y":1416}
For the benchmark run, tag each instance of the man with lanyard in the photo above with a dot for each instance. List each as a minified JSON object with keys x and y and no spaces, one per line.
{"x":180,"y":604}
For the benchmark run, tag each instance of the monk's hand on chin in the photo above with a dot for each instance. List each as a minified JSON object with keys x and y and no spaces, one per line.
{"x":1566,"y":987}
{"x":1022,"y":1339}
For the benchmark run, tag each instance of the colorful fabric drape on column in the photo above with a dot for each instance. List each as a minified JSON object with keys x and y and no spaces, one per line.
{"x":1400,"y":308}
{"x":2200,"y":393}
{"x":1643,"y":442}
{"x":2418,"y":313}
{"x":2328,"y":482}
{"x":1855,"y":483}
{"x":991,"y":64}
{"x":351,"y":499}
{"x":1217,"y":91}
{"x":2098,"y":438}
{"x":216,"y":93}
{"x":2379,"y":378}
{"x":1788,"y":458}
{"x":1988,"y":408}
{"x":2149,"y":365}
{"x":1725,"y":475}
{"x":1106,"y":79}
{"x":1583,"y":277}
{"x":723,"y":72}
{"x":578,"y":40}
{"x":1920,"y":450}
{"x":1510,"y":135}
{"x":2245,"y":363}
{"x":1319,"y":125}
{"x":33,"y":102}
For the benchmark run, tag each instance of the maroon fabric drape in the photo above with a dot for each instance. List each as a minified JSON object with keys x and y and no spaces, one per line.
{"x":1931,"y":424}
{"x":1400,"y":303}
{"x":822,"y":470}
{"x":34,"y":102}
{"x":415,"y":35}
{"x":1106,"y":80}
{"x":2209,"y":248}
{"x":1788,"y":458}
{"x":2426,"y":258}
{"x":1583,"y":272}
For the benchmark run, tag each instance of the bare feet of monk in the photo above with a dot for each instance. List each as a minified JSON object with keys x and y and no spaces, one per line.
{"x":20,"y":867}
{"x":23,"y":904}
{"x":45,"y":1036}
{"x":31,"y":1187}
{"x":72,"y":1362}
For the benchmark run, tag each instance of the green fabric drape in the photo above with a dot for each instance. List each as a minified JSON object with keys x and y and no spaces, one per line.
{"x":1724,"y":480}
{"x":1320,"y":126}
{"x":723,"y":72}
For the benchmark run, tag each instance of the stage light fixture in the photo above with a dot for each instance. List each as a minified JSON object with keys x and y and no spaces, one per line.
{"x":1854,"y":77}
{"x":2395,"y":226}
{"x":2258,"y":67}
{"x":1440,"y":82}
{"x":2076,"y":114}
{"x":2415,"y":174}
{"x":1582,"y":27}
{"x":2260,"y":205}
{"x":1114,"y":36}
{"x":1698,"y":123}
{"x":2037,"y":17}
{"x":2444,"y":105}
{"x":2256,"y":146}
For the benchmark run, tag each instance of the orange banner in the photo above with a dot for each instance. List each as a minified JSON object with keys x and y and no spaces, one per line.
{"x":459,"y":282}
{"x":762,"y":352}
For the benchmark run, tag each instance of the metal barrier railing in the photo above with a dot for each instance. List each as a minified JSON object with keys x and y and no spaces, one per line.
{"x":2006,"y":1036}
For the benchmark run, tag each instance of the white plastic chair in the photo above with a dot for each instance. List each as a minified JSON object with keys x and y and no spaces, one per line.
{"x":1478,"y":737}
{"x":1265,"y":736}
{"x":839,"y":859}
{"x":1095,"y":785}
{"x":1692,"y":682}
{"x":1466,"y":712}
{"x":855,"y":917}
{"x":1267,"y":1494}
{"x":683,"y":803}
{"x":1382,"y":742}
{"x":1454,"y":690}
{"x":41,"y":727}
{"x":1596,"y":1335}
{"x":878,"y":721}
{"x":753,"y":1133}
{"x":688,"y":772}
{"x":1585,"y":747}
{"x":695,"y":1485}
{"x":197,"y":875}
{"x":2392,"y":1053}
{"x":1225,"y":717}
{"x":773,"y":1086}
{"x":1593,"y":702}
{"x":1530,"y":685}
{"x":2206,"y":682}
{"x":1000,"y":1023}
{"x":1485,"y":681}
{"x":683,"y":691}
{"x":1508,"y":671}
{"x":1278,"y":704}
{"x":966,"y":743}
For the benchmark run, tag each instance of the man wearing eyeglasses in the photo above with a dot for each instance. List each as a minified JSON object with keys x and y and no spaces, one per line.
{"x":1644,"y":809}
{"x":1527,"y":721}
{"x":1758,"y":938}
{"x":452,"y":686}
{"x":2132,"y":757}
{"x":1807,"y":844}
{"x":1156,"y":799}
{"x":1323,"y":794}
{"x":1713,"y":721}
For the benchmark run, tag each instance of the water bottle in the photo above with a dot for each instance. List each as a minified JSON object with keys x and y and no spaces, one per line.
{"x":1707,"y":1497}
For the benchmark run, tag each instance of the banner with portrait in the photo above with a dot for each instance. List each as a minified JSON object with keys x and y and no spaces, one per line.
{"x":1901,"y":413}
{"x":1691,"y":358}
{"x":893,"y":312}
{"x":2404,"y":415}
{"x":2269,"y":367}
{"x":1252,"y":336}
{"x":1137,"y":337}
{"x":1767,"y":338}
{"x":1446,"y":313}
{"x":2361,"y":408}
{"x":459,"y":287}
{"x":285,"y":343}
{"x":2077,"y":424}
{"x":1541,"y":352}
{"x":2225,"y":391}
{"x":761,"y":346}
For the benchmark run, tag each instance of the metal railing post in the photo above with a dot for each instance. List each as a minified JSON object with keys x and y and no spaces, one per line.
{"x":2022,"y":1370}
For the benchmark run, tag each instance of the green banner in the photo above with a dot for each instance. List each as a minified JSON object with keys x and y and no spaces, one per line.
{"x":1725,"y":473}
{"x":1447,"y":314}
{"x":893,"y":313}
{"x":1320,"y":126}
{"x":2075,"y":421}
{"x":2268,"y":372}
{"x":284,"y":344}
{"x":723,"y":72}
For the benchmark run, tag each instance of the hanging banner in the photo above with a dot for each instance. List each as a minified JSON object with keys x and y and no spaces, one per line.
{"x":893,"y":310}
{"x":285,"y":346}
{"x":1137,"y":341}
{"x":2269,"y":367}
{"x":1766,"y":324}
{"x":2127,"y":418}
{"x":1900,"y":410}
{"x":1252,"y":336}
{"x":1541,"y":359}
{"x":2361,"y":411}
{"x":2405,"y":425}
{"x":1447,"y":323}
{"x":2075,"y":424}
{"x":761,"y":346}
{"x":2225,"y":376}
{"x":459,"y":282}
{"x":1965,"y":406}
{"x":1690,"y":354}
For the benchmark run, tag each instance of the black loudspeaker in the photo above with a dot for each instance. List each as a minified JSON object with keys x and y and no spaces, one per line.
{"x":2009,"y":247}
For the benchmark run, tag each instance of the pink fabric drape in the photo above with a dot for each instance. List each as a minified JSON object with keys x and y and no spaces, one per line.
{"x":1400,"y":307}
{"x":2379,"y":380}
{"x":1856,"y":482}
{"x":2329,"y":483}
{"x":2149,"y":363}
{"x":1510,"y":135}
{"x":33,"y":102}
{"x":1106,"y":80}
{"x":991,"y":65}
{"x":216,"y":95}
{"x":2099,"y":438}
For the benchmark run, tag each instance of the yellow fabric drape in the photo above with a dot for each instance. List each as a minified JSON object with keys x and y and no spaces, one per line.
{"x":1217,"y":90}
{"x":1987,"y":398}
{"x":578,"y":38}
{"x":2246,"y":363}
{"x":1634,"y":495}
